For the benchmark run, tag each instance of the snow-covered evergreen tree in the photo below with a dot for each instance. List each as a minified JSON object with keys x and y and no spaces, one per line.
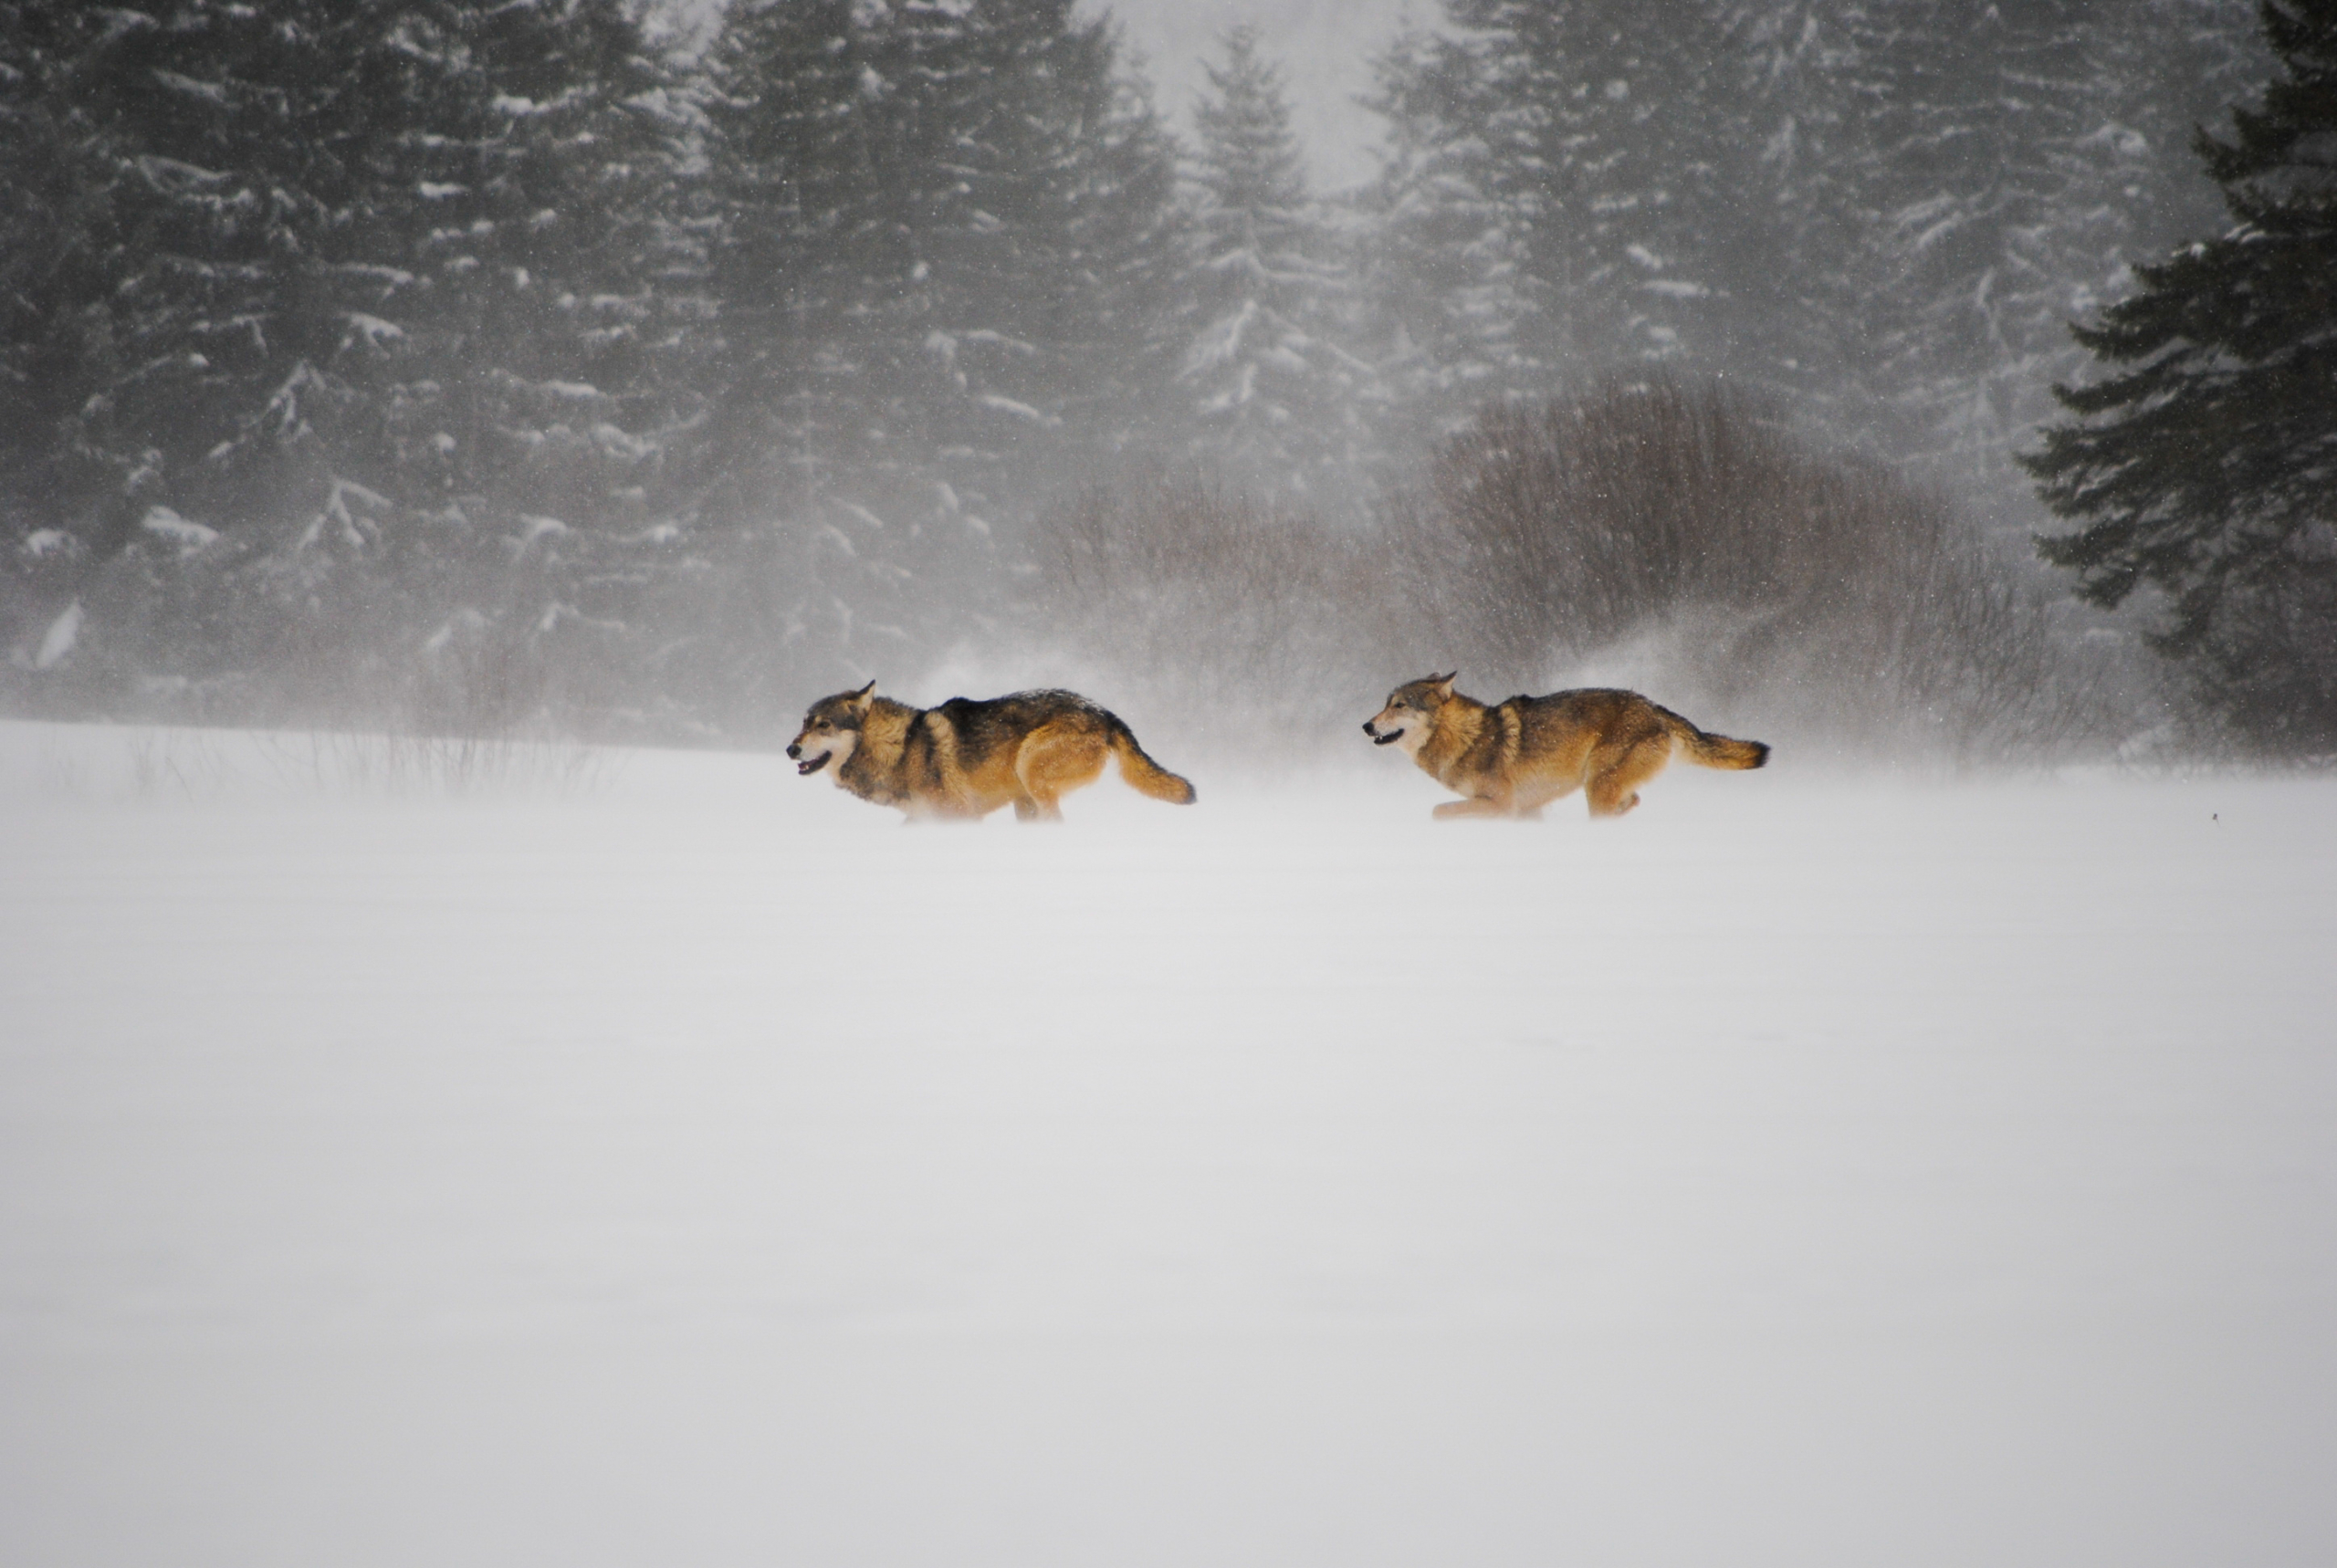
{"x":1790,"y":148}
{"x":2015,"y":164}
{"x":1448,"y":288}
{"x":53,"y":188}
{"x":2200,"y":468}
{"x":1050,"y":274}
{"x":331,"y":342}
{"x":1558,"y":203}
{"x":581,"y":373}
{"x":939,"y":273}
{"x":1883,"y":213}
{"x":804,"y":272}
{"x":1601,"y":125}
{"x":1275,"y":397}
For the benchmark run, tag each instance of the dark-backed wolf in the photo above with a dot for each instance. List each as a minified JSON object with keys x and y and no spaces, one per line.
{"x":966,"y":759}
{"x":1516,"y":757}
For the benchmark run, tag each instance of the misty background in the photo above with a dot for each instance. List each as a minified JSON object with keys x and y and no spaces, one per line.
{"x":643,"y":374}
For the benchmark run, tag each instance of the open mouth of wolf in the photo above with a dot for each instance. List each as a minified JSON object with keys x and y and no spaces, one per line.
{"x":1391,"y":739}
{"x":813,"y":765}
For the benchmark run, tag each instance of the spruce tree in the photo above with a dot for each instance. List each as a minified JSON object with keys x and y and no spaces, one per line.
{"x":1785,"y":234}
{"x":2201,"y":465}
{"x":54,"y":190}
{"x":1601,"y":125}
{"x":1883,"y":213}
{"x":1045,"y":269}
{"x":1274,"y":398}
{"x":943,"y":235}
{"x":570,"y":373}
{"x":1447,"y":290}
{"x":1561,"y":203}
{"x":1114,"y":335}
{"x":2011,"y":165}
{"x":356,"y":311}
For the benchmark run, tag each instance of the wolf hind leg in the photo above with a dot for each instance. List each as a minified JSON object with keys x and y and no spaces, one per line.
{"x":1615,"y":776}
{"x":1051,"y":764}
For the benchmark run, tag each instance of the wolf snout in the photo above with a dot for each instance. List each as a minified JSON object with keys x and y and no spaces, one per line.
{"x":793,"y":750}
{"x":1369,"y":731}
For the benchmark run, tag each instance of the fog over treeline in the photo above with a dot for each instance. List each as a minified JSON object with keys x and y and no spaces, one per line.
{"x":483,"y":366}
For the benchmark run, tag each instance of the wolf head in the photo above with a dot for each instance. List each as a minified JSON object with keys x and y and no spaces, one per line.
{"x":1411,"y":714}
{"x":831,"y":730}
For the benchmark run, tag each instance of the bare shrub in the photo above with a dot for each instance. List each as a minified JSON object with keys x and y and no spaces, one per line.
{"x":327,"y":762}
{"x":477,"y":680}
{"x":1684,"y":541}
{"x":1240,"y":618}
{"x":1691,"y":534}
{"x":482,"y":714}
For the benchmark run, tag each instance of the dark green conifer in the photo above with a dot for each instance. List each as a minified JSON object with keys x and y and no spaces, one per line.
{"x":2203,"y":466}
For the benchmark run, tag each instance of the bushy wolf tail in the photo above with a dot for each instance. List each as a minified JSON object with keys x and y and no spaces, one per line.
{"x":1713,"y":750}
{"x":1145,"y":776}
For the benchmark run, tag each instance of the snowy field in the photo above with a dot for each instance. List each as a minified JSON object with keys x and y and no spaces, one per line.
{"x":661,"y":1159}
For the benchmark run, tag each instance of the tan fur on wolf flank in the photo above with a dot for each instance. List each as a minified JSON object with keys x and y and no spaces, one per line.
{"x":966,"y":759}
{"x":1514,"y":757}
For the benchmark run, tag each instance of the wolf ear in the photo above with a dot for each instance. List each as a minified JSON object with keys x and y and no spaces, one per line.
{"x":1443,"y":683}
{"x":861,"y":698}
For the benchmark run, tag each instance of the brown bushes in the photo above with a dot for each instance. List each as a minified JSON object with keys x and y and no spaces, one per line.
{"x":1676,"y":540}
{"x":1237,"y":617}
{"x":1826,"y":595}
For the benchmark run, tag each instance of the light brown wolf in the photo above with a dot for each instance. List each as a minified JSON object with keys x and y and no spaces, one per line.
{"x":966,"y":759}
{"x":1514,"y":757}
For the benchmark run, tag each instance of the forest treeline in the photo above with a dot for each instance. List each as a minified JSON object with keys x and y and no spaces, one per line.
{"x":459,"y":363}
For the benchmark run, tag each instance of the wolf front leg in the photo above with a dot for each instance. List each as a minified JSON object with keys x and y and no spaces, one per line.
{"x":1475,"y":806}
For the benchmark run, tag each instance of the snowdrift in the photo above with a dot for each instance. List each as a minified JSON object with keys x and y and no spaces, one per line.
{"x":658,"y":1157}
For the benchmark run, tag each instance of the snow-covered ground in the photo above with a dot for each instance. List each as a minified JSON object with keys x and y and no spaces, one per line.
{"x":663,"y":1159}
